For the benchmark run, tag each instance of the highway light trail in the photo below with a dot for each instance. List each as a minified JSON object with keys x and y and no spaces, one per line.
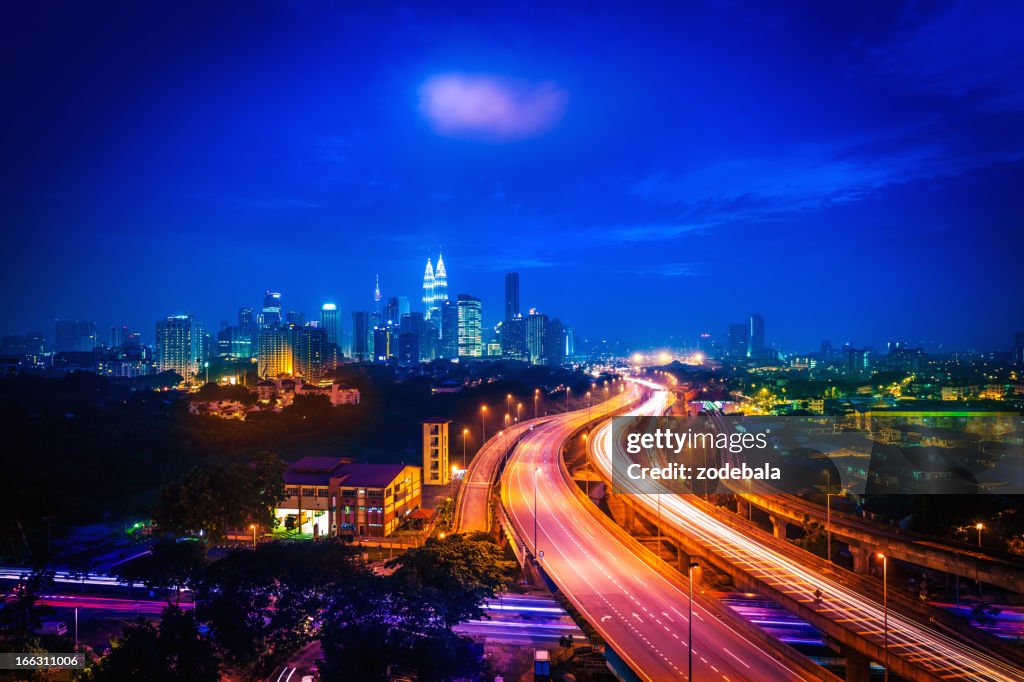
{"x":636,"y":609}
{"x":933,"y":652}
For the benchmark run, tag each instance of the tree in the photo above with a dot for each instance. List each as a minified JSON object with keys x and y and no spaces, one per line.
{"x":265,"y":604}
{"x":455,"y":575}
{"x":171,"y":652}
{"x":169,"y":564}
{"x":215,"y":499}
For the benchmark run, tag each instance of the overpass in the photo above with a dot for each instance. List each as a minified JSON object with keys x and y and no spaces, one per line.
{"x":855,"y":621}
{"x":642,"y":613}
{"x":473,"y":510}
{"x":865,"y":537}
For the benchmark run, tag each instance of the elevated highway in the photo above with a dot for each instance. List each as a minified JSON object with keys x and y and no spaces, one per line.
{"x":856,"y":621}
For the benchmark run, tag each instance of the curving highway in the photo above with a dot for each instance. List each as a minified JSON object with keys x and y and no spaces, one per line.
{"x":935,"y":653}
{"x":640,"y":613}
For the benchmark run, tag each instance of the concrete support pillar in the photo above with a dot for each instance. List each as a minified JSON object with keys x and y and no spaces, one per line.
{"x":861,"y":559}
{"x":779,"y":527}
{"x":857,"y":666}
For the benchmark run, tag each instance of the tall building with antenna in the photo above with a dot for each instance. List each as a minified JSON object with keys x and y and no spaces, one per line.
{"x":435,"y":289}
{"x":428,"y":291}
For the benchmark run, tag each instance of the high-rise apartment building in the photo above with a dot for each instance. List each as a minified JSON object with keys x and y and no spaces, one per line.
{"x":511,"y":295}
{"x":274,"y":353}
{"x":179,"y":346}
{"x":309,"y":351}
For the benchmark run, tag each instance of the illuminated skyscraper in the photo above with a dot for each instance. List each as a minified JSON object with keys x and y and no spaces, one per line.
{"x":376,"y":294}
{"x":274,"y":354}
{"x":309,"y":350}
{"x":179,"y":346}
{"x":428,"y":291}
{"x":440,"y":282}
{"x":470,"y":332}
{"x":513,"y":338}
{"x":271,"y":309}
{"x":329,"y":322}
{"x":536,"y":337}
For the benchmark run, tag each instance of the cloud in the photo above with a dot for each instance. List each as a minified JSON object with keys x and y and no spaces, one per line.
{"x":490,"y":107}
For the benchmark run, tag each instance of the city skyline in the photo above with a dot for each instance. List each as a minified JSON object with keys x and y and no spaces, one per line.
{"x":833,"y":169}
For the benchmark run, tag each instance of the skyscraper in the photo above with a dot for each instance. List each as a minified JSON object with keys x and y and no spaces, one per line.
{"x":513,"y":338}
{"x":296,"y":318}
{"x":361,"y":336}
{"x":392,"y":314}
{"x":449,"y":314}
{"x":739,"y":340}
{"x":179,"y":346}
{"x":309,"y":350}
{"x":376,"y":294}
{"x":756,"y":346}
{"x":554,"y":342}
{"x":329,"y":322}
{"x":536,"y":337}
{"x":428,"y":291}
{"x":271,"y":309}
{"x":511,"y":295}
{"x":440,"y":282}
{"x":470,"y":331}
{"x":274,"y":354}
{"x":435,"y":289}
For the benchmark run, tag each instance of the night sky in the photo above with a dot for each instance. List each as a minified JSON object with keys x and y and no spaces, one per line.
{"x":853,"y":173}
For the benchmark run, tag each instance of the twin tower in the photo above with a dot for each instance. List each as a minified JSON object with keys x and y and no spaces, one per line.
{"x":435,"y":289}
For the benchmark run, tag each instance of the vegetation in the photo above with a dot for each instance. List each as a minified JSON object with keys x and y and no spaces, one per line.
{"x":172,"y":651}
{"x":210,"y":501}
{"x":258,"y":607}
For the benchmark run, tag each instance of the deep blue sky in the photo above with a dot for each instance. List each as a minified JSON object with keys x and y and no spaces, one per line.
{"x":853,"y":173}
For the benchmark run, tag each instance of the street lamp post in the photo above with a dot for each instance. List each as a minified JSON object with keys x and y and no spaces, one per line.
{"x":483,"y":425}
{"x":536,"y":473}
{"x":508,"y":404}
{"x":465,"y":432}
{"x":885,"y":612}
{"x":519,"y":410}
{"x":567,"y":390}
{"x":253,"y":529}
{"x":536,"y":396}
{"x":689,"y":622}
{"x":979,"y":527}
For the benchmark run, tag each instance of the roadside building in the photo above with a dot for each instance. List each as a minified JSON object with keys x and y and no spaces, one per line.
{"x":332,"y":496}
